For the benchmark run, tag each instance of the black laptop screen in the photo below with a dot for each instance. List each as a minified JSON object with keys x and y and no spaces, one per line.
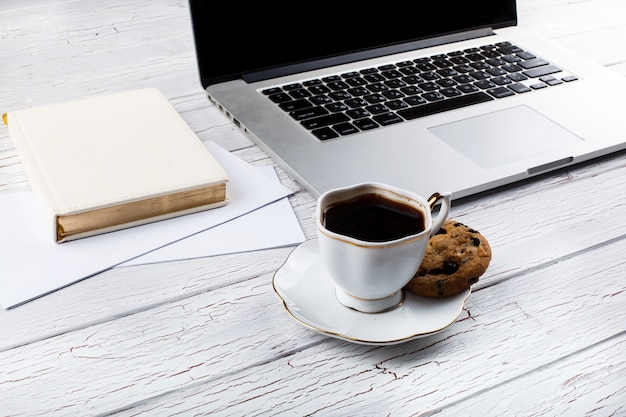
{"x":233,"y":39}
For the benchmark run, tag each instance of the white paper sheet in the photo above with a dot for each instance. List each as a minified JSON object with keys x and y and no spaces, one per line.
{"x":32,"y":265}
{"x":271,"y":226}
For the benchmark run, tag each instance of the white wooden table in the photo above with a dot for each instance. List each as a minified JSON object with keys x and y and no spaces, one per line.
{"x":542,"y":334}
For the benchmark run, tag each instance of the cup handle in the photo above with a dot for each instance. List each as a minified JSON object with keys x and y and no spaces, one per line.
{"x":444,"y":210}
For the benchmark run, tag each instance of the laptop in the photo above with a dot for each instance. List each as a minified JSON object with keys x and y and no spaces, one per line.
{"x":448,"y":96}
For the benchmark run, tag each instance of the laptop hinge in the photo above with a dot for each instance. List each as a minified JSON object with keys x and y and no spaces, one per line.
{"x":363,"y":55}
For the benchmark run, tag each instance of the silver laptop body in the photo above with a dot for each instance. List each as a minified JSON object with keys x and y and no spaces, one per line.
{"x":574,"y":117}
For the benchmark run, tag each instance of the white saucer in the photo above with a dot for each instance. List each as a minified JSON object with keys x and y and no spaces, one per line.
{"x":308,"y":295}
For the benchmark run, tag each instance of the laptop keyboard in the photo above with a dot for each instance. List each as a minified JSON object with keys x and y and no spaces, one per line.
{"x":371,"y":98}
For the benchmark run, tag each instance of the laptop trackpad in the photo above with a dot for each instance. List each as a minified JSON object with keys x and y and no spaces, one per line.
{"x":504,"y":136}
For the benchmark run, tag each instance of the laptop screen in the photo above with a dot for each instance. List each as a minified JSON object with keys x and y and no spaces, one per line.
{"x":258,"y":39}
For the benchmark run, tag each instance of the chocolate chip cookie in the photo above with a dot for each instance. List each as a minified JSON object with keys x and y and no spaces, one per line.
{"x":456,"y":257}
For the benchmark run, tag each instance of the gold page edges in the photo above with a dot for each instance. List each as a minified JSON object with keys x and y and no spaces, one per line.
{"x":138,"y":211}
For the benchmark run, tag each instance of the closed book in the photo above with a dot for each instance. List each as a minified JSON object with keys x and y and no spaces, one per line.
{"x":114,"y":161}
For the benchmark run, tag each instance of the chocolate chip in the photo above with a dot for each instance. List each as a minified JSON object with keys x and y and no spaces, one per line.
{"x":472,"y":281}
{"x":442,"y":231}
{"x":450,"y":267}
{"x":476,"y":241}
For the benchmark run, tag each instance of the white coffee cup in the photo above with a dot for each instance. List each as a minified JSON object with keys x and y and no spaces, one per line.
{"x":369,"y":275}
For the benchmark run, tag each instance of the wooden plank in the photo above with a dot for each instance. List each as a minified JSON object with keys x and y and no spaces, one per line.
{"x":589,"y":382}
{"x":243,"y":353}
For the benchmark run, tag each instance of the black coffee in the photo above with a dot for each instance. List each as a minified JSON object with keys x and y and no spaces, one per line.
{"x":373,"y":218}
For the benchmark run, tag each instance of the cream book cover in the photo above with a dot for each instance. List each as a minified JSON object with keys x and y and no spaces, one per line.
{"x":113,"y":161}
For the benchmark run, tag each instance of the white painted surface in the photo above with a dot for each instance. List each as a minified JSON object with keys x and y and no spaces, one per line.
{"x":543,"y":333}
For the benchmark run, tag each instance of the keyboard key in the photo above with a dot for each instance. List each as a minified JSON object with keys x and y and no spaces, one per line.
{"x":377,"y":87}
{"x":296,"y":105}
{"x":519,"y":88}
{"x":396,"y":104}
{"x":392,"y":74}
{"x":474,"y":57}
{"x":467,"y":88}
{"x":459,"y":60}
{"x":358,"y":113}
{"x":517,"y":77}
{"x":444,"y":105}
{"x":345,"y":129}
{"x":463,"y":79}
{"x":425,"y":67}
{"x":339,"y":95}
{"x":377,"y":108}
{"x":387,"y":119}
{"x":368,"y":71}
{"x":322,"y":121}
{"x":511,"y":68}
{"x":491,"y":54}
{"x":320,"y":100}
{"x":479,"y":75}
{"x":331,"y":78}
{"x":500,"y":92}
{"x":525,"y":55}
{"x":309,"y":113}
{"x":375,"y":98}
{"x":411,"y":90}
{"x":310,"y":83}
{"x":501,"y":80}
{"x":299,"y":93}
{"x":358,"y":91}
{"x":414,"y":101}
{"x":409,"y":70}
{"x":356,"y":102}
{"x":446,"y":82}
{"x":428,"y":86}
{"x":429,"y":76}
{"x":509,"y":49}
{"x":433,"y":96}
{"x":463,"y":69}
{"x":532,"y":63}
{"x":512,"y":59}
{"x":412,"y":79}
{"x":318,"y":89}
{"x":325,"y":133}
{"x":338,"y":85}
{"x":356,"y":81}
{"x":336,"y":107}
{"x":450,"y":92}
{"x":541,"y":71}
{"x":374,"y":78}
{"x":350,"y":74}
{"x":484,"y":84}
{"x":496,"y":71}
{"x":294,"y":86}
{"x":280,"y":97}
{"x":366,"y":124}
{"x":273,"y":90}
{"x":479,"y":65}
{"x":495,"y":62}
{"x":395,"y":83}
{"x":392,"y":94}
